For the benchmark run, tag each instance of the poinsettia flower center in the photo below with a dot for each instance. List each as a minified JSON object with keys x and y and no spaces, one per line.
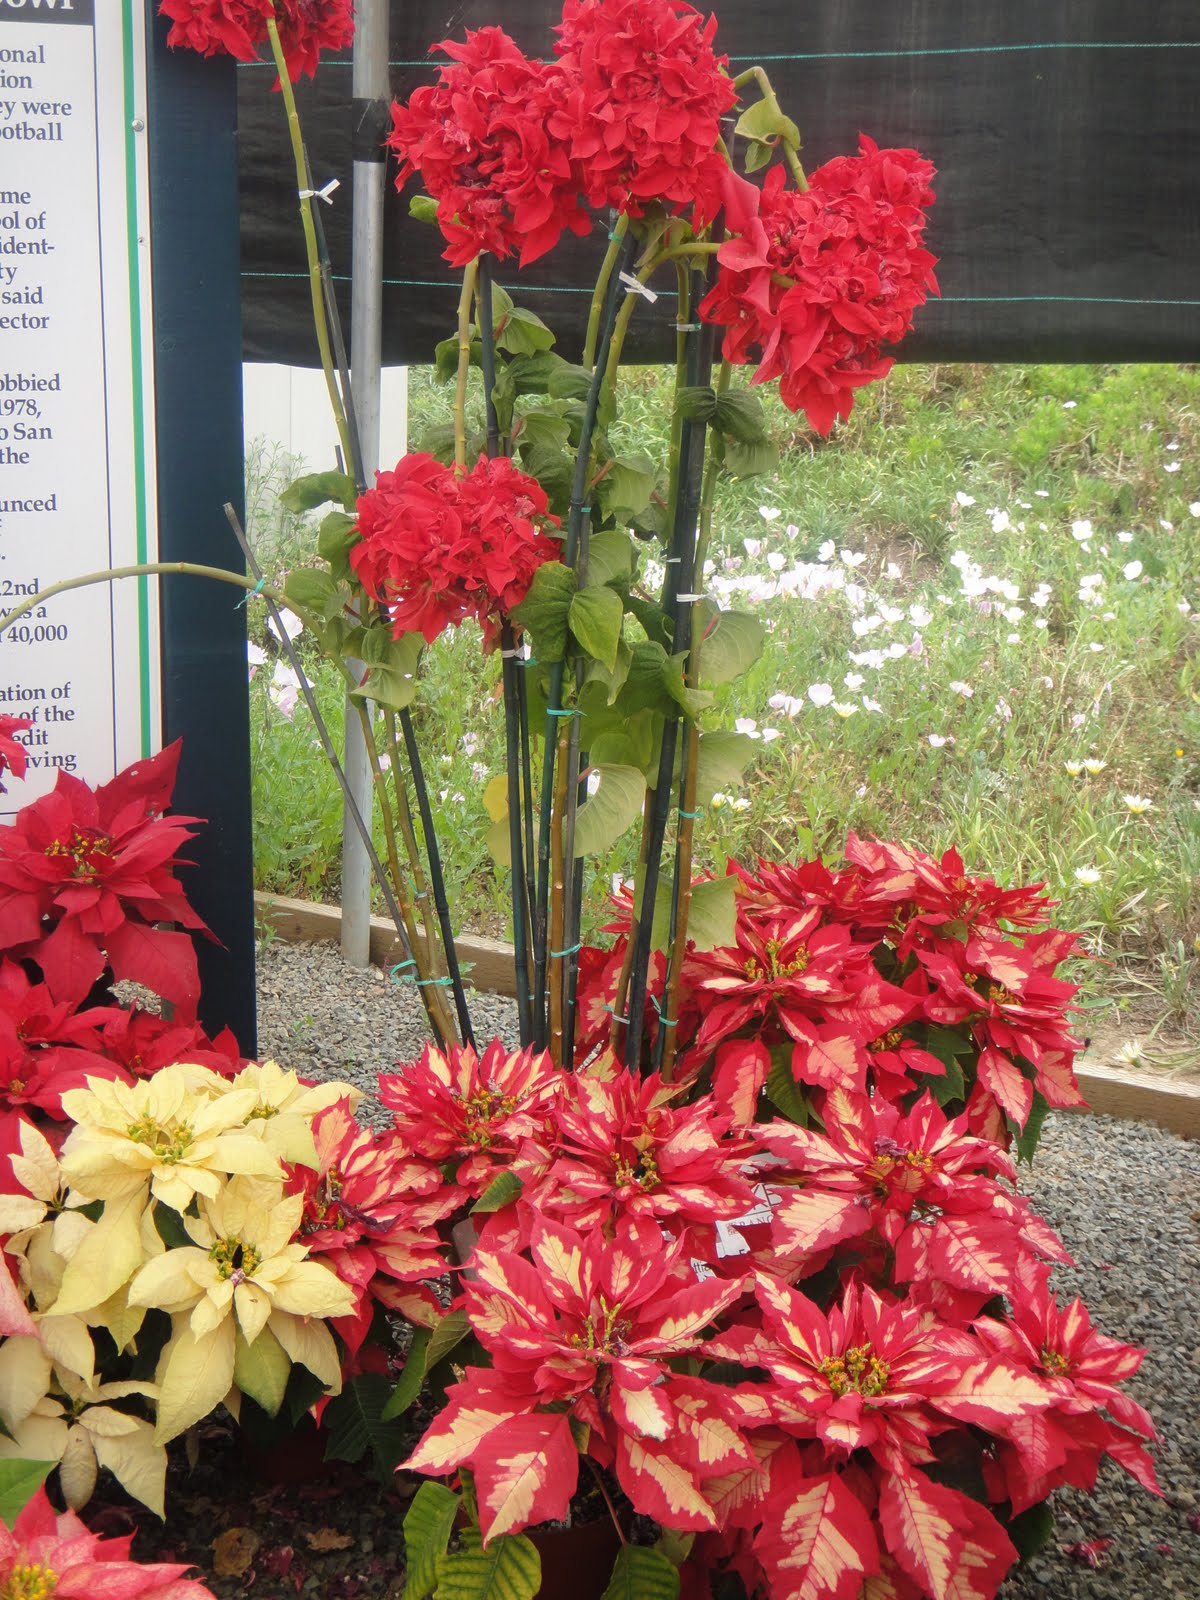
{"x":170,"y":1145}
{"x":999,"y":995}
{"x":29,"y":1580}
{"x":776,"y":969}
{"x":888,"y":1041}
{"x":234,"y":1259}
{"x":1055,"y":1363}
{"x":325,"y":1200}
{"x":641,"y":1172}
{"x":481,"y":1109}
{"x":88,"y":850}
{"x":859,"y":1370}
{"x":604,"y":1333}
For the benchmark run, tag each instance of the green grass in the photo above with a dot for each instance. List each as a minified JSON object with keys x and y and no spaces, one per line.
{"x":1114,"y":678}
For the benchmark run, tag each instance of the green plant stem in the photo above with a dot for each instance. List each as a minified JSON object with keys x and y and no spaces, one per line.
{"x":421,"y":895}
{"x":557,"y":919}
{"x":150,"y":569}
{"x":464,"y":362}
{"x":758,"y":76}
{"x":304,"y":182}
{"x":615,"y":240}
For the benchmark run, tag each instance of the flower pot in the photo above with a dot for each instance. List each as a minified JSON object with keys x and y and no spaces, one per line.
{"x":577,"y":1562}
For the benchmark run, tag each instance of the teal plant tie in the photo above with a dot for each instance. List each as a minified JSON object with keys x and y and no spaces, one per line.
{"x":693,"y":816}
{"x":257,"y":589}
{"x":572,"y":950}
{"x":667,"y":1022}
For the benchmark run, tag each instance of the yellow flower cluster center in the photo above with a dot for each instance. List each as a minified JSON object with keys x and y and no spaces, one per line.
{"x":999,"y":995}
{"x":859,"y":1370}
{"x":774,"y":968}
{"x":29,"y":1580}
{"x":235,"y":1259}
{"x":1055,"y":1363}
{"x":889,"y":1041}
{"x":170,"y":1145}
{"x":483,"y":1108}
{"x":86,"y":850}
{"x":606,"y":1334}
{"x":642,"y":1174}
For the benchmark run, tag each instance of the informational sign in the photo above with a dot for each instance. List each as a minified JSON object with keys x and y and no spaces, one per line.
{"x":77,"y":451}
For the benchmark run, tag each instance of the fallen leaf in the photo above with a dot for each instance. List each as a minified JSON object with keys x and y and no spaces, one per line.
{"x":1088,"y":1552}
{"x":327,"y":1539}
{"x":233,"y":1552}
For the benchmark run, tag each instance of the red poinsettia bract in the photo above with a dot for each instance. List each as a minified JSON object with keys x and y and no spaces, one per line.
{"x":238,"y":28}
{"x":819,"y":279}
{"x":439,"y":544}
{"x":371,"y":1212}
{"x":476,"y":1111}
{"x":479,"y":139}
{"x":12,"y":752}
{"x":86,"y":874}
{"x":48,"y":1553}
{"x":583,"y":1339}
{"x":644,"y":95}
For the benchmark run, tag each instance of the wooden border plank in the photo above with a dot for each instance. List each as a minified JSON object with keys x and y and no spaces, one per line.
{"x":1133,"y":1096}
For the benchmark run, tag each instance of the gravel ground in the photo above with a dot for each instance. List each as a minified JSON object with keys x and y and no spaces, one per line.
{"x":1124,"y":1196}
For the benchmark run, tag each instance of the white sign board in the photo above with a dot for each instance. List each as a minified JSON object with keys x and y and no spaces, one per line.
{"x":76,"y":387}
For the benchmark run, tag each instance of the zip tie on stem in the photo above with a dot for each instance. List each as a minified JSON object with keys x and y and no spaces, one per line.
{"x":399,"y":967}
{"x":564,"y":711}
{"x":257,"y":589}
{"x":688,"y":327}
{"x":667,"y":1022}
{"x":693,"y":816}
{"x":325,"y":193}
{"x":614,"y":1016}
{"x":689,"y":599}
{"x":635,"y":286}
{"x":572,"y":950}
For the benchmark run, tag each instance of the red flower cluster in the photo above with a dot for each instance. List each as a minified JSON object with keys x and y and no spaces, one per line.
{"x":238,"y":28}
{"x":645,"y":93}
{"x":439,"y":544}
{"x":48,"y":1553}
{"x":85,"y":876}
{"x":819,"y":280}
{"x":479,"y":138}
{"x":12,"y":751}
{"x":629,"y":114}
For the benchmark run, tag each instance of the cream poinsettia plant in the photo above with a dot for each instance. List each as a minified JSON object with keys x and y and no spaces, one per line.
{"x":168,"y":1196}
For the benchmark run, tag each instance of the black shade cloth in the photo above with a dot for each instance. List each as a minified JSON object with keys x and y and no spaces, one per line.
{"x":1066,"y":134}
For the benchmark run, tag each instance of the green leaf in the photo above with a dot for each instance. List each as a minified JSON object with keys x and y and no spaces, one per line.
{"x":520,"y":333}
{"x":625,"y":489}
{"x":653,"y":621}
{"x":698,"y":404}
{"x":731,"y":648}
{"x":555,"y":471}
{"x":642,"y":1574}
{"x":408,"y":1386}
{"x":502,"y":1191}
{"x":540,"y":428}
{"x":450,"y":1332}
{"x":428,"y":1524}
{"x":1032,"y":1529}
{"x":750,"y":460}
{"x":533,"y":374}
{"x":1027,"y":1138}
{"x":739,"y":415}
{"x":315,"y":592}
{"x":610,"y":558}
{"x":423,"y":208}
{"x":391,"y":678}
{"x":953,"y":1086}
{"x":690,"y":701}
{"x":605,"y":815}
{"x":711,"y":914}
{"x":19,"y":1482}
{"x":676,"y":1546}
{"x":571,"y":382}
{"x":316,"y":488}
{"x":784,"y":1093}
{"x":765,"y":123}
{"x":262,"y":1370}
{"x":336,"y":537}
{"x":545,"y":609}
{"x":509,"y":1569}
{"x":595,"y":618}
{"x":720,"y":760}
{"x":354,"y":1423}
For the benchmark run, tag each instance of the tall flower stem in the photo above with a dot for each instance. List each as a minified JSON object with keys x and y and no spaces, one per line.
{"x":679,"y":581}
{"x":465,"y":301}
{"x":304,"y":188}
{"x":577,"y":524}
{"x":421,"y":894}
{"x":616,"y":239}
